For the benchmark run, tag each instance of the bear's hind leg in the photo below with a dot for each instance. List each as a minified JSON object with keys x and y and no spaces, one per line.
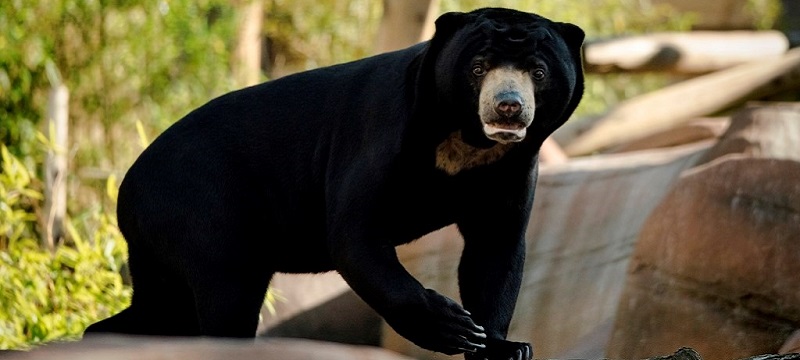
{"x":229,"y":300}
{"x":162,"y":304}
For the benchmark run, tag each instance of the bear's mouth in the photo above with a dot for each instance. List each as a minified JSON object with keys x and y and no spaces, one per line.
{"x":505,"y":132}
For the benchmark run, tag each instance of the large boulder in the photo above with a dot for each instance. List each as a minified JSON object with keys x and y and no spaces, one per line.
{"x":717,"y":262}
{"x":103,"y":347}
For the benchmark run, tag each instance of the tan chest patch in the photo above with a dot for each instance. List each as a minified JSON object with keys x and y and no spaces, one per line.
{"x":454,"y":155}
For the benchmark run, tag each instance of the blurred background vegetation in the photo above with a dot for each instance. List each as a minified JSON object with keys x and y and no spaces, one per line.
{"x":133,"y":68}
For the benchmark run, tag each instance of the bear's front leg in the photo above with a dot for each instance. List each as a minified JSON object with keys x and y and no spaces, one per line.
{"x":489,"y":279}
{"x":490,"y":273}
{"x":427,"y":318}
{"x":371,"y":267}
{"x":502,"y":350}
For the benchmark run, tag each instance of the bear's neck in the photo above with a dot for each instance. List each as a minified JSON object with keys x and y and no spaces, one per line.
{"x":454,"y":155}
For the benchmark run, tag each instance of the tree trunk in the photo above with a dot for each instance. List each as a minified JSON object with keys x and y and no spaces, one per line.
{"x":247,"y":54}
{"x":55,"y":206}
{"x":405,"y":23}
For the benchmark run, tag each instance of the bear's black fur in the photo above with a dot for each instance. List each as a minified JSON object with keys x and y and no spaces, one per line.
{"x":331,"y":169}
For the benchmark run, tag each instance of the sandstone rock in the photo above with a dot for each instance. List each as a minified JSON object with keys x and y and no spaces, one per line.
{"x":344,"y":319}
{"x":716,"y":265}
{"x":152,"y":348}
{"x":301,"y":292}
{"x":792,"y":344}
{"x":767,"y":130}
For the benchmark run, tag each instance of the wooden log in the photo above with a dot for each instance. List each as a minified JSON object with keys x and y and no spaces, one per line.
{"x":55,"y":194}
{"x":697,"y":130}
{"x":679,"y":103}
{"x":694,"y":52}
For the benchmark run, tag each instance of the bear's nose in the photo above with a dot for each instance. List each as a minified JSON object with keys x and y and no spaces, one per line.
{"x":508,"y":105}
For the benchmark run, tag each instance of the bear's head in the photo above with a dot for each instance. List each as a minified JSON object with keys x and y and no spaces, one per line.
{"x":506,"y":76}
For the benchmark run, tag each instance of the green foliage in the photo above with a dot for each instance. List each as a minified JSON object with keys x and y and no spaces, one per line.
{"x":123,"y":61}
{"x":22,"y":59}
{"x":43,"y":295}
{"x":53,"y":296}
{"x":306,"y":34}
{"x":18,"y":200}
{"x":599,"y":18}
{"x":765,"y":12}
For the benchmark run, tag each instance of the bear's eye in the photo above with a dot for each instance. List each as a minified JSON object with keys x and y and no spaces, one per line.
{"x":478,"y":70}
{"x":539,"y":74}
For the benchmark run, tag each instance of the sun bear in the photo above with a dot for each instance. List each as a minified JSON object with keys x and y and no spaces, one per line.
{"x":330,"y":169}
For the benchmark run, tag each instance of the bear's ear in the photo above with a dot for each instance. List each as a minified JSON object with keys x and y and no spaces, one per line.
{"x":449,"y":22}
{"x":572,"y":34}
{"x":573,"y":37}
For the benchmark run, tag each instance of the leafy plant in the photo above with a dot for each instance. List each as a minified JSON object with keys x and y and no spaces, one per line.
{"x":17,"y":200}
{"x":43,"y":295}
{"x":146,"y":61}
